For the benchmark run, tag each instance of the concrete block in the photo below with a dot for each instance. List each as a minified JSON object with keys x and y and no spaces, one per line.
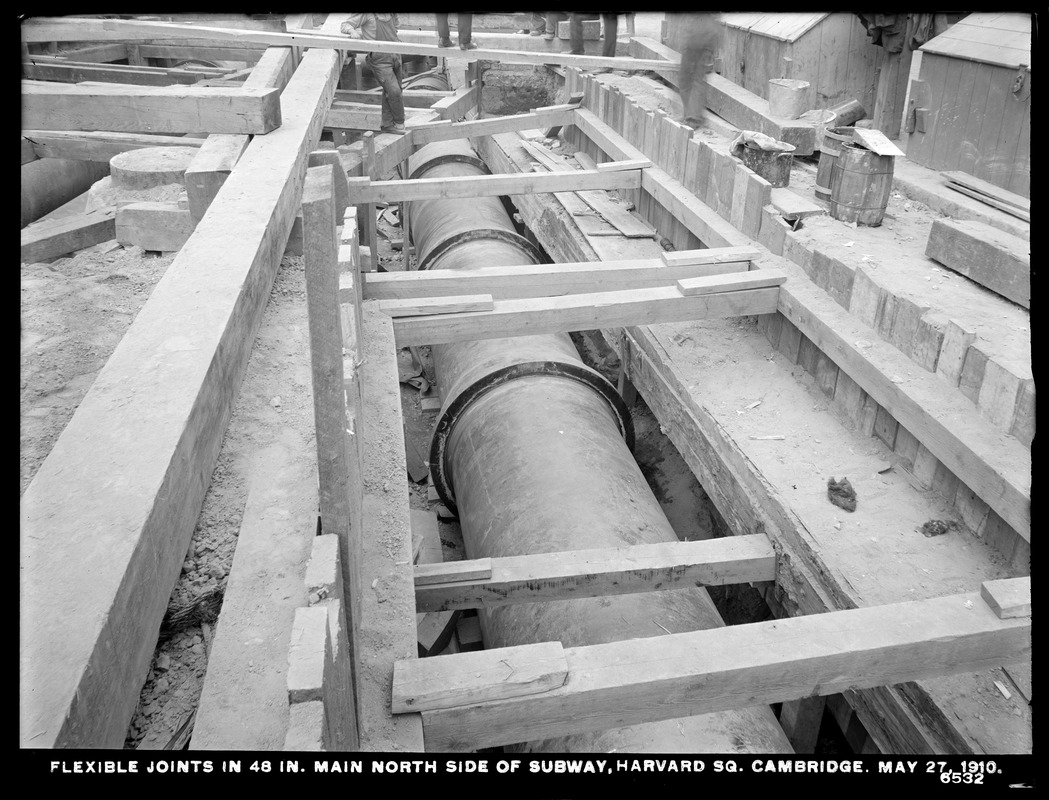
{"x":307,"y":728}
{"x":309,"y":655}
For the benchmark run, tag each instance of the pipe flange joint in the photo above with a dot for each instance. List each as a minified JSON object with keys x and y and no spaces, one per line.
{"x":454,"y":411}
{"x":449,"y":158}
{"x":481,"y":233}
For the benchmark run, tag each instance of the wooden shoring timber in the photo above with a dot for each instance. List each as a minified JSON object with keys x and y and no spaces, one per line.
{"x":353,"y":117}
{"x":684,"y":674}
{"x":43,"y":68}
{"x":98,"y":145}
{"x":97,"y":53}
{"x":995,"y":466}
{"x":445,"y":130}
{"x":160,"y":226}
{"x":364,"y":190}
{"x":28,"y":153}
{"x":542,"y":280}
{"x":108,"y":517}
{"x":191,"y":48}
{"x":64,"y":29}
{"x":320,"y":256}
{"x":52,"y":238}
{"x":581,"y":312}
{"x":418,"y":307}
{"x":387,"y":605}
{"x":219,"y":153}
{"x":458,"y":104}
{"x":155,"y":109}
{"x":599,"y":573}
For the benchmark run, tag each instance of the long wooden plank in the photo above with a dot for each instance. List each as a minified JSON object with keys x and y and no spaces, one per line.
{"x":320,"y":256}
{"x":164,"y":109}
{"x":107,"y":519}
{"x":52,"y":238}
{"x":644,"y":680}
{"x":987,"y":188}
{"x":581,"y":312}
{"x":1008,"y":208}
{"x":994,"y":259}
{"x":97,"y":53}
{"x":597,"y":573}
{"x":424,"y":685}
{"x":364,"y":190}
{"x":443,"y":131}
{"x":161,"y":226}
{"x":538,"y":280}
{"x":98,"y":145}
{"x":64,"y":29}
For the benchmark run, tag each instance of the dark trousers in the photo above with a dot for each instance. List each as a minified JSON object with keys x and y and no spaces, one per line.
{"x":387,"y":71}
{"x":697,"y":57}
{"x":466,"y":22}
{"x":609,"y":25}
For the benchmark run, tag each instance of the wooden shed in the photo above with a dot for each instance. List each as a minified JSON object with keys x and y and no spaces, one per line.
{"x":829,"y":50}
{"x":970,"y":109}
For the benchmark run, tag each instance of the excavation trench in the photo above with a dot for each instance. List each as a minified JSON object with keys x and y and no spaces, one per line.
{"x":533,"y":450}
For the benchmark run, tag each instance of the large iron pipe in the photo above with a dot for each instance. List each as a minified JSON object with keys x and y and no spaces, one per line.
{"x":533,"y":450}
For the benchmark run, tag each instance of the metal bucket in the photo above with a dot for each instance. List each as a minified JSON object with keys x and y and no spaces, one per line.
{"x":772,"y":165}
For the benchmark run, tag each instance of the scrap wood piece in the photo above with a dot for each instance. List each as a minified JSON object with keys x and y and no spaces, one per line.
{"x":875,"y":141}
{"x":753,"y":279}
{"x":434,"y":630}
{"x":49,"y":239}
{"x":156,"y":109}
{"x":987,"y":188}
{"x":630,"y":163}
{"x":478,"y":677}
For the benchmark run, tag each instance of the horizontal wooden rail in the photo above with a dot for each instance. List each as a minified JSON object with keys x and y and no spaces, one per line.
{"x":644,"y":680}
{"x":445,"y":130}
{"x":364,"y":190}
{"x":64,"y":29}
{"x":582,"y":312}
{"x":598,"y":573}
{"x":549,"y":280}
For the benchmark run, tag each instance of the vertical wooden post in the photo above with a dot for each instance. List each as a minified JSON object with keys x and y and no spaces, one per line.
{"x":134,"y":56}
{"x":629,"y":24}
{"x":320,"y":256}
{"x":368,"y":224}
{"x":893,"y":75}
{"x":405,"y":231}
{"x":358,"y":73}
{"x":800,"y":720}
{"x":625,"y":387}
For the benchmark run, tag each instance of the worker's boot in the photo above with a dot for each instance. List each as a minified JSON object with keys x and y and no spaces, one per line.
{"x":445,"y":43}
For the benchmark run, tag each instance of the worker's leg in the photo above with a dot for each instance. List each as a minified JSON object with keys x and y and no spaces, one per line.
{"x":444,"y":35}
{"x":552,"y":18}
{"x":466,"y":22}
{"x":575,"y":32}
{"x":538,"y":24}
{"x":388,"y":75}
{"x":609,"y":28}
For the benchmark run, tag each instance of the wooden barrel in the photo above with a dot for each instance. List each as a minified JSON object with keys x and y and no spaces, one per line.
{"x":832,"y":139}
{"x":860,"y":185}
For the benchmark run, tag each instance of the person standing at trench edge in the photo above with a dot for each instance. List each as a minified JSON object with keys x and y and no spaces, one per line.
{"x":444,"y":34}
{"x":385,"y":66}
{"x":699,"y":42}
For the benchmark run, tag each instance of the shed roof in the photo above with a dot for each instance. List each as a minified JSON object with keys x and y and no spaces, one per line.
{"x":782,"y":26}
{"x":992,"y":38}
